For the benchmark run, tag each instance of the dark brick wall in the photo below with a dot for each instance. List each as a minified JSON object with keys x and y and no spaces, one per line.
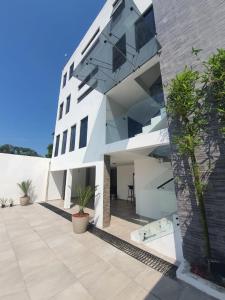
{"x":181,"y":25}
{"x":106,"y":192}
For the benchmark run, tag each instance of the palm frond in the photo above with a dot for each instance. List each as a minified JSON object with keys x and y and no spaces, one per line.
{"x":85,"y":194}
{"x":25,"y":187}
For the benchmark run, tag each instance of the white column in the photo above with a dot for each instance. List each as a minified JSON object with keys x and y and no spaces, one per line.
{"x":67,"y":200}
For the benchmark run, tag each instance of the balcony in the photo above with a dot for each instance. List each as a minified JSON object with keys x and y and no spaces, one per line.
{"x":126,"y":43}
{"x":136,"y":106}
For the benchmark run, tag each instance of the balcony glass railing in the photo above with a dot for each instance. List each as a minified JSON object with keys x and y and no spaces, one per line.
{"x":142,"y":118}
{"x":156,"y":229}
{"x":118,"y":51}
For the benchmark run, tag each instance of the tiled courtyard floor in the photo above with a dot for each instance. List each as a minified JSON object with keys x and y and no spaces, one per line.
{"x":119,"y":226}
{"x":41,"y":258}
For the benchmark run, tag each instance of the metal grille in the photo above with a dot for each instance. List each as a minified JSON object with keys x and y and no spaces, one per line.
{"x":143,"y":256}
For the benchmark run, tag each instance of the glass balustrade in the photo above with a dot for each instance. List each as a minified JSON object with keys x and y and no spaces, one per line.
{"x":142,"y":118}
{"x":125,"y":44}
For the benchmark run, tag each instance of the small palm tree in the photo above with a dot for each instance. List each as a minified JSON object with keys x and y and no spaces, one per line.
{"x":25,"y":187}
{"x":85,"y":194}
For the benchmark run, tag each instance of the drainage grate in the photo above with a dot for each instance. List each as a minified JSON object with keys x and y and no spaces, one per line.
{"x":143,"y":256}
{"x":57,"y":210}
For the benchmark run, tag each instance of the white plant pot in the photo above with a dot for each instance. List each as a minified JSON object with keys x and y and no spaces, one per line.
{"x":80,"y":223}
{"x":24,"y":201}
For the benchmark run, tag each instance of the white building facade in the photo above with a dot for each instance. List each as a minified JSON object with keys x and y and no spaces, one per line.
{"x":111,"y":126}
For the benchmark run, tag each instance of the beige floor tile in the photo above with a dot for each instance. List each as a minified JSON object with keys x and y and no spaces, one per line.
{"x":11,"y":280}
{"x":70,"y":253}
{"x":75,"y":291}
{"x":22,"y":295}
{"x":133,"y":292}
{"x":7,"y":254}
{"x":89,"y":275}
{"x":105,"y":251}
{"x":4,"y":238}
{"x":25,"y":239}
{"x":35,"y":259}
{"x":22,"y":250}
{"x":108,"y":284}
{"x":149,"y":278}
{"x":47,"y":281}
{"x":84,"y":263}
{"x":128,"y":265}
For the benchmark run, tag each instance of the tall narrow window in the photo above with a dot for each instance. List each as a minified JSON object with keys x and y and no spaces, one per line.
{"x":72,"y":138}
{"x":61,"y":111}
{"x":118,"y":7}
{"x":71,"y":70}
{"x":57,"y":146}
{"x":145,"y":28}
{"x":64,"y":79}
{"x":68,"y":104}
{"x":64,"y":142}
{"x":83,"y":132}
{"x":119,"y":53}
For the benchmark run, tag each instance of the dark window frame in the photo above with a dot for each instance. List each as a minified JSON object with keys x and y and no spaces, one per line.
{"x":90,"y":41}
{"x":73,"y":132}
{"x":64,"y":142}
{"x":61,"y":107}
{"x":71,"y":71}
{"x":87,"y":92}
{"x":142,"y":27}
{"x":57,"y":141}
{"x":88,"y":78}
{"x":64,"y":79}
{"x":83,"y":132}
{"x":118,"y":59}
{"x":118,"y":7}
{"x":90,"y":51}
{"x":68,"y":100}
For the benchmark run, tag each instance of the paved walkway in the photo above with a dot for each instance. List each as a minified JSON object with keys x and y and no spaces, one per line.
{"x":41,"y":258}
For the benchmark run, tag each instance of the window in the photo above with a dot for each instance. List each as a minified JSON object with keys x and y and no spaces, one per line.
{"x":68,"y":104}
{"x":118,"y":7}
{"x":88,"y":91}
{"x":91,"y":40}
{"x":64,"y":79}
{"x":72,"y":138}
{"x":119,"y":53}
{"x":64,"y":142}
{"x":88,"y":78}
{"x":57,"y":146}
{"x":71,"y":71}
{"x":61,"y":111}
{"x":83,"y":132}
{"x":145,"y":29}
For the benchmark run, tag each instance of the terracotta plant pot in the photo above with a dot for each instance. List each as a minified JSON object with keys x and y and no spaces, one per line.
{"x":24,"y":200}
{"x":80,"y":222}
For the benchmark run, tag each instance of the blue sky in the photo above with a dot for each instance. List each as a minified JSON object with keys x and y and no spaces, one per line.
{"x":34,"y":37}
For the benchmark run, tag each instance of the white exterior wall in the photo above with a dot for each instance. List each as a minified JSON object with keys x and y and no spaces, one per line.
{"x":124,"y":178}
{"x":55,"y":185}
{"x":151,"y":202}
{"x":17,"y":168}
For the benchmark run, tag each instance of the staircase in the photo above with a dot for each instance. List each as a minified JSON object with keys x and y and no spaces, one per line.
{"x":157,"y":123}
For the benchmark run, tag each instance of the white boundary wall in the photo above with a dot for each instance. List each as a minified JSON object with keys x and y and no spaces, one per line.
{"x":16,"y":168}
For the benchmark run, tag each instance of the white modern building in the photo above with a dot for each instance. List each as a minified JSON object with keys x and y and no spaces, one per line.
{"x":111,"y":127}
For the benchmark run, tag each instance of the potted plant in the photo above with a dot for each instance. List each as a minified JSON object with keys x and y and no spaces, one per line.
{"x":3,"y":202}
{"x":25,"y":187}
{"x":80,"y":220}
{"x":10,"y":202}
